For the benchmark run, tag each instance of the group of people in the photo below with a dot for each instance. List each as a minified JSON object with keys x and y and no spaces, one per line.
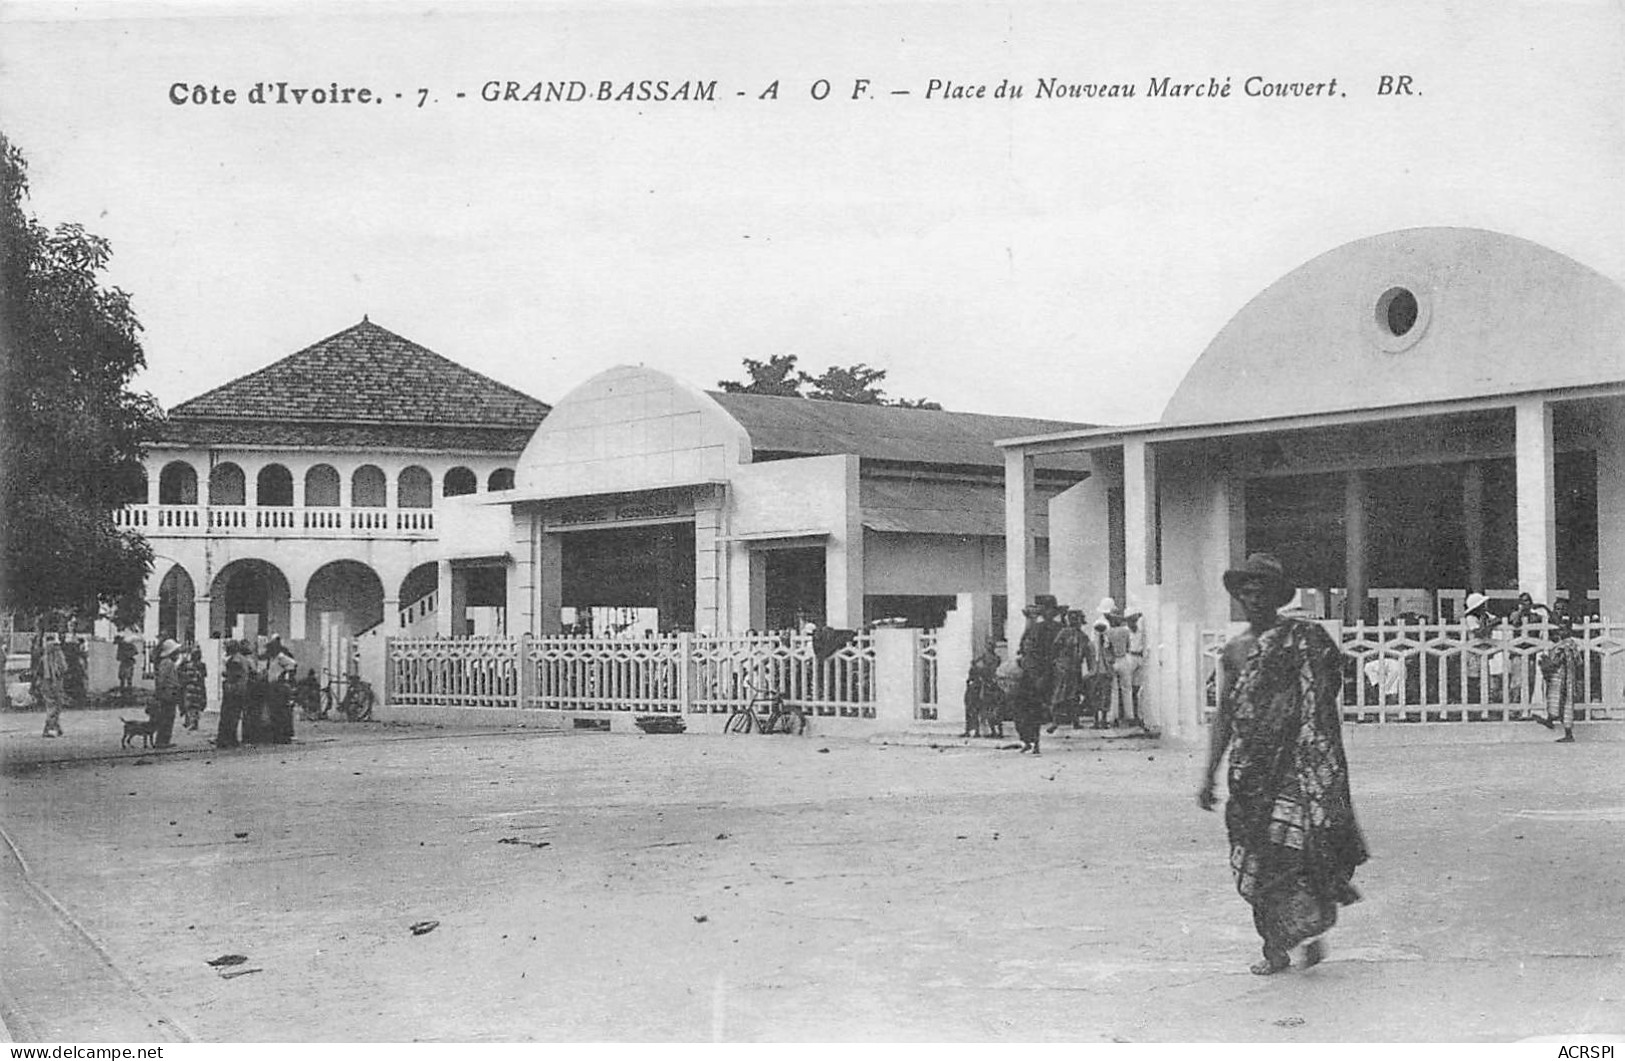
{"x":258,"y":692}
{"x":1064,"y":668}
{"x":59,"y":673}
{"x":180,"y":689}
{"x":1558,"y":665}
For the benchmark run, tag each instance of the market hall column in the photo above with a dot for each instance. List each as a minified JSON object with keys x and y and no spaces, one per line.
{"x":1021,"y":574}
{"x":549,"y":578}
{"x":843,"y":559}
{"x":1355,"y":577}
{"x":710,"y":611}
{"x":1537,"y":513}
{"x":1142,"y":559}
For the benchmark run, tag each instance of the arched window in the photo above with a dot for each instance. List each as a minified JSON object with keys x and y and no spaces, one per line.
{"x":322,"y":487}
{"x":274,"y":486}
{"x":501,"y":479}
{"x":226,"y":485}
{"x":177,"y":484}
{"x":460,"y":481}
{"x":367,"y":487}
{"x":416,"y":488}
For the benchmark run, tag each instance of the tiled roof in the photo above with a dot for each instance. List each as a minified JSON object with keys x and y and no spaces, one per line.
{"x":267,"y":434}
{"x":805,"y":427}
{"x":367,"y":375}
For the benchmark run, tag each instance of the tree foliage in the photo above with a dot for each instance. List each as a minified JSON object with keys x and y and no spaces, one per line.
{"x":778,"y":376}
{"x":73,"y":433}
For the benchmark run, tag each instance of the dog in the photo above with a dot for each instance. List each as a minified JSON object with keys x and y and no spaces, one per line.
{"x":137,"y":728}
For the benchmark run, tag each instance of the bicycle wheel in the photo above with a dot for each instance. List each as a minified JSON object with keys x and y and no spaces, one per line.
{"x":358,"y":702}
{"x":743,"y":720}
{"x":788,"y":720}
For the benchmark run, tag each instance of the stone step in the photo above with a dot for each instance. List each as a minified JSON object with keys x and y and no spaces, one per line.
{"x":1063,"y":739}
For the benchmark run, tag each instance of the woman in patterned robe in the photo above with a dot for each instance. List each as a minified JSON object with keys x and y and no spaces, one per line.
{"x":1294,"y":841}
{"x":1560,"y":667}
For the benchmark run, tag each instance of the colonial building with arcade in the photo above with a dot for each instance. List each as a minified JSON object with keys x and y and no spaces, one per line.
{"x":306,"y":499}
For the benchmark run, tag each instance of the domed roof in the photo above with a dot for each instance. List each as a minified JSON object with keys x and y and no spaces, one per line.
{"x":1419,"y":315}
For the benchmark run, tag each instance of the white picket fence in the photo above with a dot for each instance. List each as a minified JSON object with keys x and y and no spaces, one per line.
{"x":683,"y":674}
{"x":1445,"y":672}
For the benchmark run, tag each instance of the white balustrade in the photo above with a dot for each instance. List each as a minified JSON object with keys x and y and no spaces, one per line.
{"x":673,"y":674}
{"x":198,"y":521}
{"x":1446,"y":672}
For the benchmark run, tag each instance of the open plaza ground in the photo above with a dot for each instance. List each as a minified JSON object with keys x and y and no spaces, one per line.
{"x":688,"y":888}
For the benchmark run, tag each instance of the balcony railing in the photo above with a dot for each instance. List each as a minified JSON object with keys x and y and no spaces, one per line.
{"x":275,"y":521}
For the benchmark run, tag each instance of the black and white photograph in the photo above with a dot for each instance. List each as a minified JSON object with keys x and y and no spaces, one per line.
{"x":957,"y":521}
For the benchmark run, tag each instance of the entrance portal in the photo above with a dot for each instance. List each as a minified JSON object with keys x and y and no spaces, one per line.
{"x":635,"y":568}
{"x":795,"y":588}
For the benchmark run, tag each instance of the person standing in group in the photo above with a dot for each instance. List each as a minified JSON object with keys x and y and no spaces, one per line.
{"x":1073,"y":659}
{"x":1120,"y":665}
{"x":1560,"y":667}
{"x":1136,"y":655}
{"x":982,"y":694}
{"x":166,"y":693}
{"x":194,"y":689}
{"x":124,"y":652}
{"x":50,"y":685}
{"x":1294,"y":841}
{"x":233,"y":693}
{"x":1526,"y":614}
{"x":75,"y":682}
{"x":1036,"y":656}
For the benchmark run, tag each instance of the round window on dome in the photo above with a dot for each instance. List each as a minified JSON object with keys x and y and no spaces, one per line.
{"x":1397,"y":311}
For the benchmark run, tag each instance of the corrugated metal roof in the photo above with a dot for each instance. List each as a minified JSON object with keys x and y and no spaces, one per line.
{"x":807,"y":427}
{"x":368,"y":375}
{"x":932,"y":506}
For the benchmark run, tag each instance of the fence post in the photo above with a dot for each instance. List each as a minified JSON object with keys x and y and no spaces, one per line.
{"x":685,"y":672}
{"x":897,"y":656}
{"x":527,"y":672}
{"x":388,"y":688}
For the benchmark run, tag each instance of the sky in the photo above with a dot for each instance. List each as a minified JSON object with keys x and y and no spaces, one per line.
{"x":1058,"y":258}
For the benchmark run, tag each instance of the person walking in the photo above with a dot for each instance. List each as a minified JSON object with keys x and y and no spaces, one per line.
{"x":1036,"y":656}
{"x":1560,"y":667}
{"x":1294,"y":841}
{"x":50,"y":685}
{"x":166,"y":694}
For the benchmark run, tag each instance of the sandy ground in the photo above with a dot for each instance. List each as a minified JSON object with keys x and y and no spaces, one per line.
{"x":666,"y":888}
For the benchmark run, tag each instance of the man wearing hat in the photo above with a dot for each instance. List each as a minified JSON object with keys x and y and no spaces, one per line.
{"x":1036,"y":656}
{"x":166,"y":693}
{"x":1294,"y":842}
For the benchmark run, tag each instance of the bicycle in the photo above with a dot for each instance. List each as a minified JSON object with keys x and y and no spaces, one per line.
{"x":782,"y":717}
{"x":356,"y":702}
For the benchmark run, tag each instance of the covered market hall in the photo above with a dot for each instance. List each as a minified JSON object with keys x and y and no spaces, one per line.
{"x":1404,"y":420}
